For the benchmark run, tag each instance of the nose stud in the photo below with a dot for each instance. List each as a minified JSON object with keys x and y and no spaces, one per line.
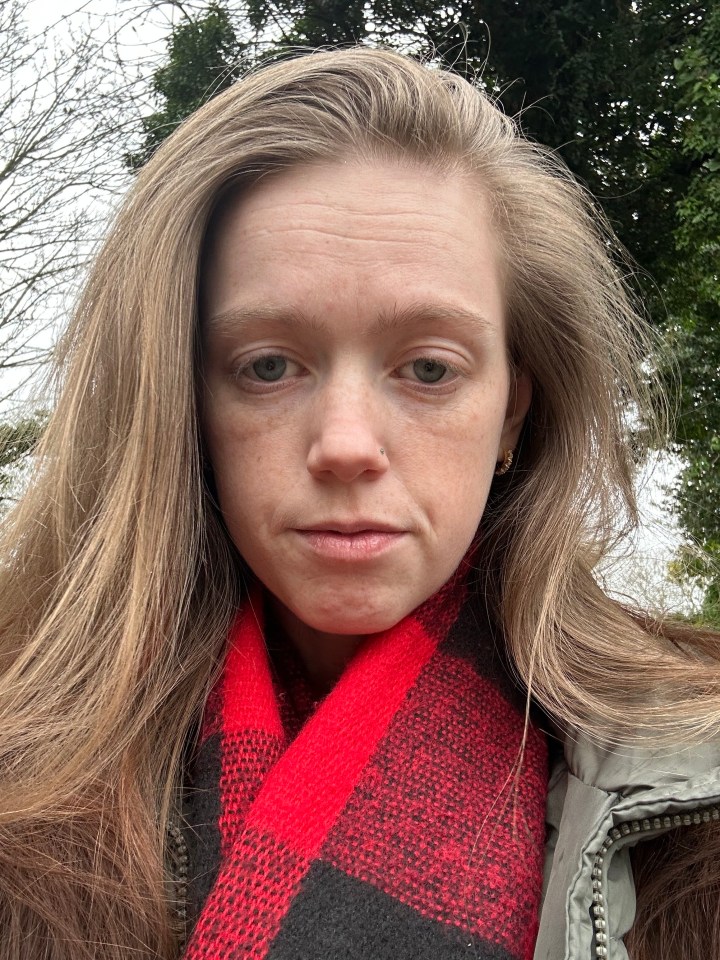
{"x":382,"y":451}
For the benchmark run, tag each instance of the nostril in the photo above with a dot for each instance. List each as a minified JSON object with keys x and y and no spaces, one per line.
{"x":346,"y":452}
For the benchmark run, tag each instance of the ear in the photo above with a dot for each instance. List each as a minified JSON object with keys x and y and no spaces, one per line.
{"x":518,"y":405}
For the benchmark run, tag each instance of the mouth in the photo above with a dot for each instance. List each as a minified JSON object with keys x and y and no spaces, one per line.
{"x":354,"y":541}
{"x":351,"y":527}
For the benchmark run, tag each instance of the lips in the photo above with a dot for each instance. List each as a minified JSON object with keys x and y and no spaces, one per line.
{"x":350,"y":541}
{"x":351,"y":527}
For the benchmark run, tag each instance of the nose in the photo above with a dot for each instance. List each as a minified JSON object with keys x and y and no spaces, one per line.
{"x":347,"y":443}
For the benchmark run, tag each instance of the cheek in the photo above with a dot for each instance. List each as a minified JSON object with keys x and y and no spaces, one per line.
{"x":461,"y":487}
{"x":251,"y":462}
{"x":462,"y":497}
{"x":234,"y":454}
{"x":464,"y":462}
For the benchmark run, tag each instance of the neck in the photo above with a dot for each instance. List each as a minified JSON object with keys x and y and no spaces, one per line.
{"x":324,"y":655}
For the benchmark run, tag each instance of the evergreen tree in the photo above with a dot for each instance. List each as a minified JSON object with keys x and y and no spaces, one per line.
{"x":693,"y":297}
{"x":204,"y":57}
{"x":18,"y":439}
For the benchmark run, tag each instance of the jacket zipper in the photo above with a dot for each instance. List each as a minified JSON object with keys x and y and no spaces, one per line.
{"x":178,"y":865}
{"x":654,"y":824}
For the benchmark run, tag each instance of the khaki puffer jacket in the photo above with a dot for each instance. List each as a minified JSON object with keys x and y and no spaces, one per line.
{"x":601,"y":803}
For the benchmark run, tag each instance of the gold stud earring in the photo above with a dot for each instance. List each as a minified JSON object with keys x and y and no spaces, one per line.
{"x":505,"y":465}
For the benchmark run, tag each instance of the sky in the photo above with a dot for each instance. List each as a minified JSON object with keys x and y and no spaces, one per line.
{"x":48,"y":13}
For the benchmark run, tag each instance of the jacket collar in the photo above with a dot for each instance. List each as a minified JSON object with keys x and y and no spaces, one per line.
{"x":602,"y":801}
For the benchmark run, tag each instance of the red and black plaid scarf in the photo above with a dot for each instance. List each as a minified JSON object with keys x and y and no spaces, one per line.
{"x":387,"y":823}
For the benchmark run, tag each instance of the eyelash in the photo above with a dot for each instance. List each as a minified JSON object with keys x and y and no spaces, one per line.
{"x":269,"y":386}
{"x":450,"y":369}
{"x":266,"y":386}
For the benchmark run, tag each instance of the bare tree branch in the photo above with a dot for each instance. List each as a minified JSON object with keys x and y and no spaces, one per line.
{"x":69,"y":110}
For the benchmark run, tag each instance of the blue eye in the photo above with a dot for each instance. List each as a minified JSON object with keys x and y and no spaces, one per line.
{"x":269,"y":368}
{"x":429,"y":371}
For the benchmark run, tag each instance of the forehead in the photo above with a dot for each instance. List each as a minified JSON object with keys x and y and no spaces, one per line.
{"x":385,"y":238}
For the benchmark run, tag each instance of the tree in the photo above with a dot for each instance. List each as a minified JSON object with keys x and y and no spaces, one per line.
{"x":204,"y":57}
{"x":694,"y":331}
{"x":17,"y":442}
{"x":63,"y":119}
{"x":310,"y":24}
{"x":65,"y":112}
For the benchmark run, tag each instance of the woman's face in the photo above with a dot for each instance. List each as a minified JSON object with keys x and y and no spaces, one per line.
{"x":357,"y":392}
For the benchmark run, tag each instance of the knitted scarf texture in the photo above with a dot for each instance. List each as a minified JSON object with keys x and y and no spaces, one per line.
{"x":386,"y":822}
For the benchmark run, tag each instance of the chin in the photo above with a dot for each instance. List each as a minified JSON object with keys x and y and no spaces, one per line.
{"x":348,"y":621}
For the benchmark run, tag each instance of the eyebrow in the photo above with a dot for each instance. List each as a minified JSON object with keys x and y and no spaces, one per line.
{"x":397,"y":319}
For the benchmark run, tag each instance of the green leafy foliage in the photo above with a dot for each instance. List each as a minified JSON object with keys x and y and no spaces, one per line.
{"x":311,"y":24}
{"x":693,"y":298}
{"x":17,"y":441}
{"x":204,"y":57}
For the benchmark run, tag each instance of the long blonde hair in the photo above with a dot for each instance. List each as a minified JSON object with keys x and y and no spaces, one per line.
{"x":119,"y":581}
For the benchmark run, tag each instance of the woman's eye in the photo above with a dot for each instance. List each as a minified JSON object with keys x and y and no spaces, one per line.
{"x":429,"y":371}
{"x":260,"y":373}
{"x":269,"y":368}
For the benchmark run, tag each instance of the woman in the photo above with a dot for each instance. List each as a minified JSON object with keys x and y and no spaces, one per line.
{"x":339,"y":440}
